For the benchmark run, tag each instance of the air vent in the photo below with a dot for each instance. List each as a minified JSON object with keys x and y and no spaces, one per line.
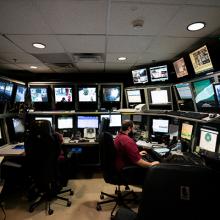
{"x":88,"y":58}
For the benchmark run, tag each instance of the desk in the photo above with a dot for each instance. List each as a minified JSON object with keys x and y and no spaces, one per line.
{"x":85,"y":153}
{"x":8,"y":150}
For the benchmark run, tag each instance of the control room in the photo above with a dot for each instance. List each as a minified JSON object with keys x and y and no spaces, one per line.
{"x":109,"y":109}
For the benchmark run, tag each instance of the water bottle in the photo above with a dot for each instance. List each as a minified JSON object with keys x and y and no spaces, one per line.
{"x":178,"y":146}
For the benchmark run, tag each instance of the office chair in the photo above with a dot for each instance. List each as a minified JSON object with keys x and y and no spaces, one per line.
{"x":42,"y":150}
{"x":111,"y":176}
{"x":190,"y":191}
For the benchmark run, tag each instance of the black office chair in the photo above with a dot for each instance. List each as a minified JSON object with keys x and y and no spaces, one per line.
{"x":177,"y":192}
{"x":42,"y":150}
{"x":110,"y":174}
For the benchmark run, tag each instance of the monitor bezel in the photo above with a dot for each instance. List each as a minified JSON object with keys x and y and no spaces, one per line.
{"x":160,"y":79}
{"x":77,"y":121}
{"x":140,"y":82}
{"x":40,"y":87}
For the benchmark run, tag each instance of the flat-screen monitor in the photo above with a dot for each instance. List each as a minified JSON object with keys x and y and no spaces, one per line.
{"x":186,"y":131}
{"x":217,"y":92}
{"x":180,"y":68}
{"x":63,"y":94}
{"x":65,"y":122}
{"x":87,"y":94}
{"x":8,"y":90}
{"x":134,"y":96}
{"x":2,"y":90}
{"x":159,"y":73}
{"x":159,"y":96}
{"x":87,"y":121}
{"x":20,"y":93}
{"x":184,"y":91}
{"x":201,"y":60}
{"x":208,"y":139}
{"x":160,"y":125}
{"x":45,"y":118}
{"x":39,"y":94}
{"x":204,"y":94}
{"x":18,"y":125}
{"x":140,"y":76}
{"x":115,"y":120}
{"x":111,"y":93}
{"x":0,"y":133}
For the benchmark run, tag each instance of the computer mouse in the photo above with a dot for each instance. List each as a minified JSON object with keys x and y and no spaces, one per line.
{"x":212,"y":115}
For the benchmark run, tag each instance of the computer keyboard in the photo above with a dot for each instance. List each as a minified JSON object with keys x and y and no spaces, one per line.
{"x":189,"y":159}
{"x":148,"y":157}
{"x":195,"y":115}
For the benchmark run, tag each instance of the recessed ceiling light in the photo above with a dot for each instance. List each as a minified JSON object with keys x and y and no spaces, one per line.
{"x":122,"y":58}
{"x":33,"y":67}
{"x":138,"y":24}
{"x":196,"y":26}
{"x":39,"y":45}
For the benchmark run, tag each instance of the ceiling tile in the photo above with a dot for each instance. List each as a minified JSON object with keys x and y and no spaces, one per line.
{"x":26,"y":41}
{"x":21,"y":17}
{"x":189,"y":14}
{"x":74,"y":17}
{"x":83,"y":43}
{"x":155,"y":17}
{"x":128,"y":44}
{"x":90,"y":66}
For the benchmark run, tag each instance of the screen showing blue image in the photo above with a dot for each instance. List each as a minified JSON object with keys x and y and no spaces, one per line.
{"x":87,"y":94}
{"x":20,"y":94}
{"x":39,"y":95}
{"x":204,"y":94}
{"x":111,"y":94}
{"x":2,"y":90}
{"x":87,"y":121}
{"x":217,"y":92}
{"x":8,"y":90}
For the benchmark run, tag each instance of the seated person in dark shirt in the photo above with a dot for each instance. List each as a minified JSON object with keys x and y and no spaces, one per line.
{"x":127,"y":152}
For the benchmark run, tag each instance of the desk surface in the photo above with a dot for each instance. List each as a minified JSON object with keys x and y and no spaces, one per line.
{"x":8,"y":150}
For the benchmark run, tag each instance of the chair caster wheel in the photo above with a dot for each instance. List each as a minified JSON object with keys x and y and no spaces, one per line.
{"x":112,"y":217}
{"x":101,"y":197}
{"x":71,"y":192}
{"x":98,"y":208}
{"x":31,"y":209}
{"x":50,"y":211}
{"x":69,"y":203}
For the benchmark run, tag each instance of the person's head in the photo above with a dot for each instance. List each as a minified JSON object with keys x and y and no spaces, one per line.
{"x":127,"y":126}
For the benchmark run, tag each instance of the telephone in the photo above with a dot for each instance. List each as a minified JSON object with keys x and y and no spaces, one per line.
{"x":141,"y":108}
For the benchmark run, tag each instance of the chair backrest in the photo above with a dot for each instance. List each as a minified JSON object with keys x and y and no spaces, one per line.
{"x":104,"y":125}
{"x":190,"y":191}
{"x":42,"y":149}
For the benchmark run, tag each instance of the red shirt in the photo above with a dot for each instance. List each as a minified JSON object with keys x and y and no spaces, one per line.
{"x":127,"y":151}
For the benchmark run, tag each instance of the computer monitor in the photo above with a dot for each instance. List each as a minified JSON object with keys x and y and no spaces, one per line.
{"x":159,"y":96}
{"x":186,"y":131}
{"x":115,"y":120}
{"x":184,"y":91}
{"x":201,"y":60}
{"x":134,"y":96}
{"x":208,"y":139}
{"x":137,"y":118}
{"x":8,"y":90}
{"x":87,"y":121}
{"x":63,"y":94}
{"x":0,"y":133}
{"x":160,"y":125}
{"x":159,"y":73}
{"x":87,"y":94}
{"x":2,"y":90}
{"x":18,"y":125}
{"x":217,"y":92}
{"x":65,"y":122}
{"x":39,"y":94}
{"x":45,"y":118}
{"x":111,"y":93}
{"x":140,"y":76}
{"x":204,"y":95}
{"x":180,"y":68}
{"x":20,"y":93}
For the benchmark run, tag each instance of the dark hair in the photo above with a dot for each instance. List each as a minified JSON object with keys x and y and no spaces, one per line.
{"x":126,"y":124}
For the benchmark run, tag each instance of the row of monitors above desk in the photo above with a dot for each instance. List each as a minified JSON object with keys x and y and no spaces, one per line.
{"x":205,"y":93}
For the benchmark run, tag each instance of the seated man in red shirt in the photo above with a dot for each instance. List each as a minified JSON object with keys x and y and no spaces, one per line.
{"x":127,"y":152}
